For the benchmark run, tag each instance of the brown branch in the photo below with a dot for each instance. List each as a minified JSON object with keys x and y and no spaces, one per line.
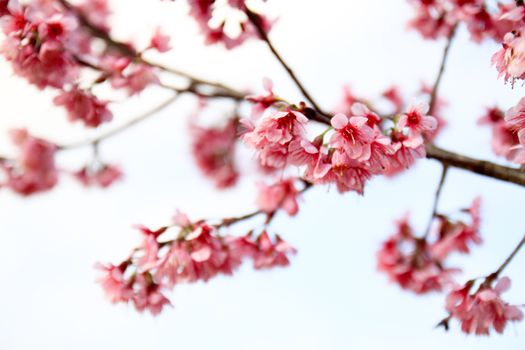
{"x":128,"y":51}
{"x":437,"y":196}
{"x":269,"y":216}
{"x":437,"y":83}
{"x":509,"y":259}
{"x":255,"y":20}
{"x":481,"y":167}
{"x":122,"y":127}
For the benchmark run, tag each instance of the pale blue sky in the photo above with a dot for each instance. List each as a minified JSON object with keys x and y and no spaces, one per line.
{"x":331,"y":297}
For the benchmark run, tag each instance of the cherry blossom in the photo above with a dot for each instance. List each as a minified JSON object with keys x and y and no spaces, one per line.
{"x":214,"y":151}
{"x":160,"y":41}
{"x":352,"y":135}
{"x":504,"y":138}
{"x":407,"y":261}
{"x":515,"y":117}
{"x":283,"y":194}
{"x":276,"y":136}
{"x":34,"y":170}
{"x":483,"y":310}
{"x":102,"y":175}
{"x":417,"y":120}
{"x":82,"y":105}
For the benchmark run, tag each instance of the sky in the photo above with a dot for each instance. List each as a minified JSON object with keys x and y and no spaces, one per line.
{"x":331,"y":297}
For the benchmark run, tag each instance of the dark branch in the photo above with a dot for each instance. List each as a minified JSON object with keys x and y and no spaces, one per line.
{"x":256,"y":21}
{"x":437,"y":196}
{"x":437,"y":83}
{"x":477,"y":166}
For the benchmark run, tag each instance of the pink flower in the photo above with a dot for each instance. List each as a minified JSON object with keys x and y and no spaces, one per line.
{"x":277,"y":136}
{"x":148,"y":295}
{"x":135,"y":79}
{"x":504,"y":137}
{"x":115,"y":285}
{"x":348,"y":100}
{"x":97,"y":11}
{"x":160,"y":41}
{"x":510,"y":60}
{"x":282,"y":194}
{"x":203,"y":11}
{"x":103,"y":176}
{"x":417,"y":120}
{"x":269,"y":254}
{"x":214,"y":152}
{"x":515,"y":117}
{"x":352,"y":135}
{"x":349,"y":174}
{"x":394,"y":96}
{"x":406,"y":149}
{"x":34,"y":170}
{"x":483,"y":310}
{"x":431,"y":20}
{"x":407,"y":262}
{"x":457,"y":236}
{"x":262,"y":102}
{"x":82,"y":105}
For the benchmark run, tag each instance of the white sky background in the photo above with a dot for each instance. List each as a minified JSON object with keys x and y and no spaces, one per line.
{"x":331,"y":297}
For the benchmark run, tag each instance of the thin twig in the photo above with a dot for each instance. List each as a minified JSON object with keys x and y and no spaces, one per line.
{"x":128,"y":51}
{"x":437,"y":83}
{"x":255,"y":20}
{"x":123,"y":127}
{"x":437,"y":196}
{"x":509,"y":259}
{"x":269,"y":216}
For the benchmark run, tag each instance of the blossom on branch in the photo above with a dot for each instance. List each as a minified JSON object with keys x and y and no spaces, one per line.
{"x":483,"y":310}
{"x":34,"y":170}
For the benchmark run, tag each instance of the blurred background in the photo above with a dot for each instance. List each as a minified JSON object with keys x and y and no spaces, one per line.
{"x":331,"y":297}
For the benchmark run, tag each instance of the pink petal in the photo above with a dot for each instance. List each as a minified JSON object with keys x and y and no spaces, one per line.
{"x":503,"y":285}
{"x":339,"y":121}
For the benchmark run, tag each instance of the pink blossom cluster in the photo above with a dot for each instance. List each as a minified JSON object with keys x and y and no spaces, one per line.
{"x":98,"y":174}
{"x":207,"y":11}
{"x":505,"y":140}
{"x":438,"y":18}
{"x":199,"y":252}
{"x":417,"y":263}
{"x":49,"y":45}
{"x":213,"y":148}
{"x":359,"y":144}
{"x":482,"y":310}
{"x":283,"y":194}
{"x":34,"y":169}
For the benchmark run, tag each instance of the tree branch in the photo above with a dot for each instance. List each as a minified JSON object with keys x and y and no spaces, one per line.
{"x":122,"y":127}
{"x":437,"y":196}
{"x":437,"y":83}
{"x":509,"y":259}
{"x":477,"y":166}
{"x":255,"y":20}
{"x":129,"y":51}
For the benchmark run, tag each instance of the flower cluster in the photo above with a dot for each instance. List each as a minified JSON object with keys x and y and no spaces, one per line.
{"x":198,"y":252}
{"x":280,"y":195}
{"x":98,"y":174}
{"x":360,"y":144}
{"x":214,"y":20}
{"x":34,"y":169}
{"x":418,"y":263}
{"x":214,"y":151}
{"x":483,"y":309}
{"x":50,"y":44}
{"x":438,"y":18}
{"x":505,"y":141}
